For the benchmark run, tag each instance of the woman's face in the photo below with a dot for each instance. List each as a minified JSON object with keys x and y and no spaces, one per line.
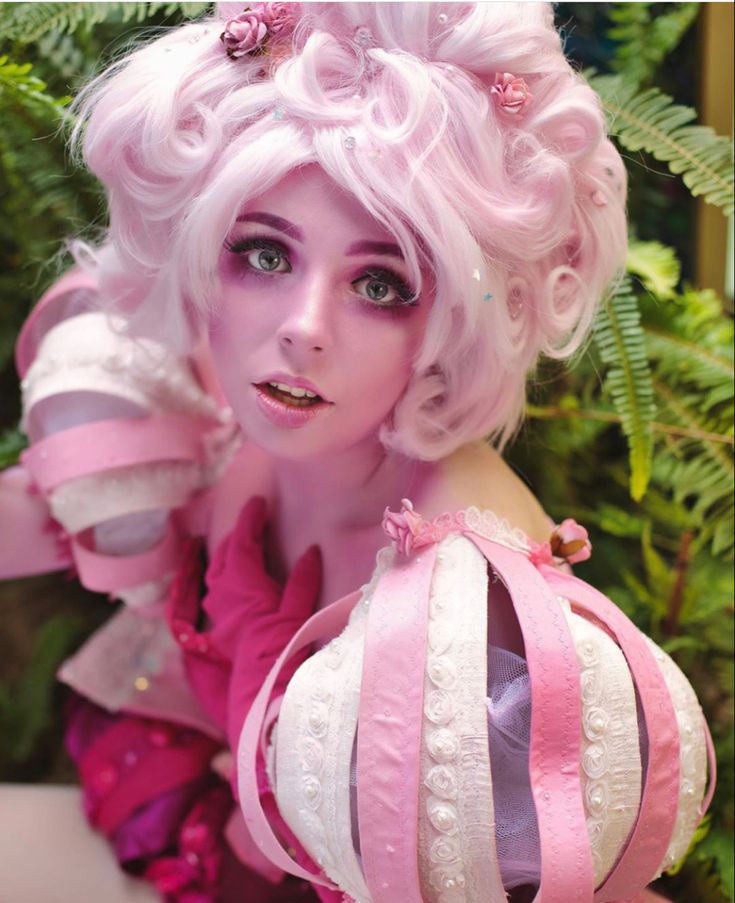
{"x":318,"y":323}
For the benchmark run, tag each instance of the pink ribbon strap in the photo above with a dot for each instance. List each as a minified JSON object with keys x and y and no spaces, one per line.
{"x":641,"y":860}
{"x":389,"y":732}
{"x":712,"y":761}
{"x":567,"y":874}
{"x":109,"y":444}
{"x":106,"y":573}
{"x":45,"y":315}
{"x":325,"y":624}
{"x":30,"y":542}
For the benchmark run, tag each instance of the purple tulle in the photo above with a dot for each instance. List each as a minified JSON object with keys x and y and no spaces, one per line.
{"x":509,"y":731}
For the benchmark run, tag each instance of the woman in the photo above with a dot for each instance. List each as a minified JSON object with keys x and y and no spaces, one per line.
{"x":363,"y":223}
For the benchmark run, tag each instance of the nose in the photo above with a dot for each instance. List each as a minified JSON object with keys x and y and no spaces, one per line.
{"x":306,"y":329}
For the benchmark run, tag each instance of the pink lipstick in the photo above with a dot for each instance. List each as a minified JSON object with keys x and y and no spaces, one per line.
{"x":285,"y":410}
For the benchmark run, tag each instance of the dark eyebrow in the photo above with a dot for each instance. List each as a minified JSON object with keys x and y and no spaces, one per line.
{"x":384,"y":248}
{"x":276,"y":222}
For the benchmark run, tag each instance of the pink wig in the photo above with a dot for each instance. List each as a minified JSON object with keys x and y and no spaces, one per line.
{"x":518,"y":216}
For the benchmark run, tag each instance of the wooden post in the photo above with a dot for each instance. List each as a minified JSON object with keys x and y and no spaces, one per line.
{"x":714,"y":238}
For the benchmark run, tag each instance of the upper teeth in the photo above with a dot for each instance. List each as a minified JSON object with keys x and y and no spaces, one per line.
{"x":292,"y":390}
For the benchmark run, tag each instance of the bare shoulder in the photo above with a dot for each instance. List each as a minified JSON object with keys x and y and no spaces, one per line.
{"x":249,"y":473}
{"x":477,"y":475}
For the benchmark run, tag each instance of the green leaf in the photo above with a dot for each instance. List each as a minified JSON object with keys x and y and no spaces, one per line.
{"x":645,"y":40}
{"x":620,"y":340}
{"x":657,"y":266}
{"x":658,"y":572}
{"x":12,"y":443}
{"x":25,"y":708}
{"x":26,"y":23}
{"x":651,"y":121}
{"x":717,"y":845}
{"x":22,"y":91}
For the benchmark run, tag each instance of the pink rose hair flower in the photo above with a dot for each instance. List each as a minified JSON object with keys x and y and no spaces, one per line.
{"x":570,"y":541}
{"x":510,"y":94}
{"x":402,"y":527}
{"x":249,"y":32}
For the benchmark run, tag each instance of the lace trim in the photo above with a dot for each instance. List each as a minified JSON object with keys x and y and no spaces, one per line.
{"x":610,"y":748}
{"x":692,"y":756}
{"x":456,"y":839}
{"x":384,"y":559}
{"x":409,"y":531}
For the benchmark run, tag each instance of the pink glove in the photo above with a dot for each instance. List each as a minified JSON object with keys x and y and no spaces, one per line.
{"x":252,"y":617}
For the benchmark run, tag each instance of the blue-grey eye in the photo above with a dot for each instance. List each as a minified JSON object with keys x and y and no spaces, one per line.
{"x":260,"y":255}
{"x":267,"y":259}
{"x":376,"y":290}
{"x":385,"y":289}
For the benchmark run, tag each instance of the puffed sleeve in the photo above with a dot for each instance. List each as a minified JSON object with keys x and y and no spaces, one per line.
{"x":123,"y":439}
{"x":416,"y":735}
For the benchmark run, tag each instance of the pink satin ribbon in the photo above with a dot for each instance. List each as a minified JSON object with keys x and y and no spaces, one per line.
{"x":567,"y":874}
{"x":325,"y":624}
{"x":645,"y":851}
{"x":389,"y":733}
{"x":110,"y":444}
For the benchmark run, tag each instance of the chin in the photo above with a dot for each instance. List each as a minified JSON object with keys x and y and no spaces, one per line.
{"x":305,"y":446}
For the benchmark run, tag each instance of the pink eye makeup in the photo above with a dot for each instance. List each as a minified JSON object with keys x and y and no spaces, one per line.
{"x":377,"y":287}
{"x":271,"y":254}
{"x":375,"y":280}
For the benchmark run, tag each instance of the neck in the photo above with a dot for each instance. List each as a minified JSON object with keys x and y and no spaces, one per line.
{"x":348,"y":490}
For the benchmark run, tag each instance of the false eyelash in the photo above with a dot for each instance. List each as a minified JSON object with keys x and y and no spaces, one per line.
{"x":240,"y":245}
{"x":405,"y":293}
{"x":408,"y":298}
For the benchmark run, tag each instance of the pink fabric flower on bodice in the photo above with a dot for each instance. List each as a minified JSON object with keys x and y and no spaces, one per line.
{"x":409,"y":532}
{"x":511,"y":94}
{"x":569,"y":542}
{"x":402,"y":527}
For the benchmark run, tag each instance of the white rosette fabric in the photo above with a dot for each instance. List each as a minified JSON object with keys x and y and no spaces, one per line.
{"x":611,"y":758}
{"x":457,"y":857}
{"x":312,"y":759}
{"x":692,"y":755}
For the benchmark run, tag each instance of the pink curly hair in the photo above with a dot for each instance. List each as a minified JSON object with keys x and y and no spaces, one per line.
{"x":532,"y":203}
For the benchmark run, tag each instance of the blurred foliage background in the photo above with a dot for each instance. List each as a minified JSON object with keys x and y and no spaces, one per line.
{"x":635,"y":440}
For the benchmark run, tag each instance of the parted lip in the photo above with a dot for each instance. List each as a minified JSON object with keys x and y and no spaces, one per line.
{"x":296,"y":382}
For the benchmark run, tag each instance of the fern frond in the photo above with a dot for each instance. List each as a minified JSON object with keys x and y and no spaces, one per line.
{"x":651,"y":121}
{"x":656,"y":264}
{"x":699,"y":474}
{"x":644,"y":41}
{"x":26,"y":23}
{"x":690,"y":342}
{"x":620,"y":340}
{"x":685,"y":359}
{"x":61,"y":56}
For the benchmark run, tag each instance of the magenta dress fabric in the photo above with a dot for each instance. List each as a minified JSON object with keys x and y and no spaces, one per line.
{"x":148,"y":783}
